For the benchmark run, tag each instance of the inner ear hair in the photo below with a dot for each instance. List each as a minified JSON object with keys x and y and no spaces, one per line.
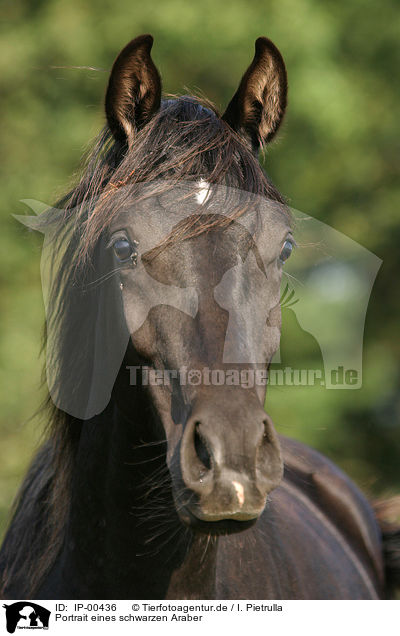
{"x":134,"y":90}
{"x":258,"y":106}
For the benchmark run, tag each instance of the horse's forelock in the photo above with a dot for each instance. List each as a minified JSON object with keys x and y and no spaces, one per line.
{"x":185,"y":141}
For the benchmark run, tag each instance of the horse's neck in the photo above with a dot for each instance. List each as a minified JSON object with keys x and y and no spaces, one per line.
{"x":124,"y":536}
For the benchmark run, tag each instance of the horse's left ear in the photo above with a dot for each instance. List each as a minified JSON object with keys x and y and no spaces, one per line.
{"x":134,"y":89}
{"x":257,"y":108}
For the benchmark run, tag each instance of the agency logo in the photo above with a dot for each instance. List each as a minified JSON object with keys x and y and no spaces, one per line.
{"x":26,"y":615}
{"x":245,"y":280}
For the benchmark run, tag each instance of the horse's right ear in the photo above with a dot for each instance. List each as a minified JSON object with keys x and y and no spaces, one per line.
{"x":256,"y":110}
{"x":134,"y":90}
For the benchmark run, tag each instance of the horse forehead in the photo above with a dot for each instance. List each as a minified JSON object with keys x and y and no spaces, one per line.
{"x":156,"y":210}
{"x":153,"y":225}
{"x":200,"y":261}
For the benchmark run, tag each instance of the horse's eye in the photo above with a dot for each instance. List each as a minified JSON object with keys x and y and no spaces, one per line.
{"x":286,"y":251}
{"x":124,"y":251}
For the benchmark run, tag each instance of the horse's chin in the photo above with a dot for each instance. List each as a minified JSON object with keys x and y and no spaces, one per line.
{"x":219,"y":526}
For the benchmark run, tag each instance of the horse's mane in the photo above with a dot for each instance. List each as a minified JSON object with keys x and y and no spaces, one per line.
{"x":184,"y":141}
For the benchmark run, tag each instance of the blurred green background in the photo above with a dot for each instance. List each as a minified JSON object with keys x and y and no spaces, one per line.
{"x":334,"y":159}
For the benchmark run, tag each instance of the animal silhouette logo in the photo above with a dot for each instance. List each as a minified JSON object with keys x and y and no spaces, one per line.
{"x":26,"y":615}
{"x":324,"y":293}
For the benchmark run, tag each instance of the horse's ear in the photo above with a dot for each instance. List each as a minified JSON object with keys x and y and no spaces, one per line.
{"x":134,"y":89}
{"x":257,"y":108}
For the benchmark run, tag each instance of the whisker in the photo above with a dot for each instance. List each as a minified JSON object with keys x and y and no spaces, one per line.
{"x":293,"y":278}
{"x":103,"y":278}
{"x":144,"y":461}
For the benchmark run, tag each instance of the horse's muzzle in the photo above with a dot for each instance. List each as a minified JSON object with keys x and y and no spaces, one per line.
{"x":230,"y":460}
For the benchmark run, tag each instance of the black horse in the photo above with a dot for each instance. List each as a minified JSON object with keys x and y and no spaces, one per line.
{"x":178,"y":488}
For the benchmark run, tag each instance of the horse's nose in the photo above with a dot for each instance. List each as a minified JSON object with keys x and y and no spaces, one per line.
{"x":230,"y":461}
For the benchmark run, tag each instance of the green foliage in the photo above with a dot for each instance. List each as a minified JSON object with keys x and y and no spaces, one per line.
{"x":334,"y":159}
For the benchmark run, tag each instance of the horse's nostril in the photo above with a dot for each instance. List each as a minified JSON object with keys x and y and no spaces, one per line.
{"x":201,"y":448}
{"x":267,"y":432}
